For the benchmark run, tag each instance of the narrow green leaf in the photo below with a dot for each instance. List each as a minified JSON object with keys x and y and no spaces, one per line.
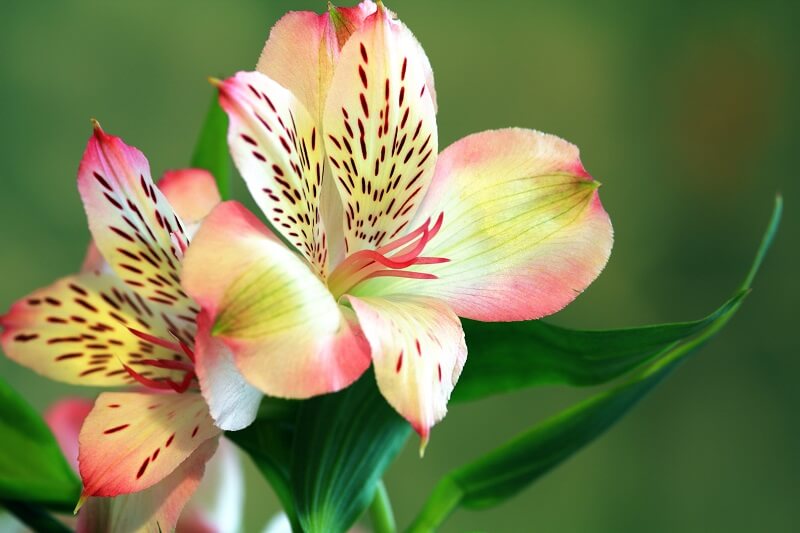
{"x":556,"y":355}
{"x":513,"y":466}
{"x":211,"y":150}
{"x":34,"y":517}
{"x":343,"y":444}
{"x":32,"y":467}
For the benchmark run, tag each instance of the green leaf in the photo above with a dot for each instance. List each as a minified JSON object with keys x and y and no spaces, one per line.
{"x":343,"y":444}
{"x":211,"y":150}
{"x":556,"y":355}
{"x":513,"y":466}
{"x":32,"y":467}
{"x":35,"y":517}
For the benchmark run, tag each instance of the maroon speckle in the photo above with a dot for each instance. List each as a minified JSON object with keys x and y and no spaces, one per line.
{"x":102,"y":181}
{"x":142,"y":468}
{"x":363,"y":76}
{"x":66,"y":356}
{"x":109,"y":431}
{"x":78,"y":289}
{"x":121,"y":233}
{"x":85,"y":305}
{"x":112,"y":201}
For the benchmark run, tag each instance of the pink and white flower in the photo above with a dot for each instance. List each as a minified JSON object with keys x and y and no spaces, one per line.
{"x":215,"y":507}
{"x":377,"y":244}
{"x":125,"y":320}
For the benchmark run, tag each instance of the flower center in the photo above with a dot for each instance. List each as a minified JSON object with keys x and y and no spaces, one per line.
{"x":164,"y":383}
{"x":389,"y":260}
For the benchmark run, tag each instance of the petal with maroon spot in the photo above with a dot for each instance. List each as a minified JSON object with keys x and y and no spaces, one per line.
{"x":152,"y":510}
{"x":131,"y":440}
{"x":302,"y":50}
{"x":133,"y":225}
{"x":192,"y":193}
{"x":232,"y":402}
{"x":380,"y":131}
{"x":524,"y":230}
{"x":78,"y":330}
{"x":278,"y":150}
{"x":418,"y":352}
{"x":288,"y":336}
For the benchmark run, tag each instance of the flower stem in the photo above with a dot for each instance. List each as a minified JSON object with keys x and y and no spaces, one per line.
{"x":380,"y":511}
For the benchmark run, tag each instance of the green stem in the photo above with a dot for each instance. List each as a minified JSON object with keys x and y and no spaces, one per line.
{"x":380,"y":511}
{"x":445,"y":499}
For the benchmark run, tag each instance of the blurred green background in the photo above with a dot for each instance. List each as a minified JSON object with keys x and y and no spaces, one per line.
{"x":686,"y":111}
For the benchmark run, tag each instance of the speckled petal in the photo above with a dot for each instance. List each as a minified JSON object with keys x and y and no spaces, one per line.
{"x":380,"y":131}
{"x":133,"y":224}
{"x":131,"y":441}
{"x":78,"y":330}
{"x":418,"y":352}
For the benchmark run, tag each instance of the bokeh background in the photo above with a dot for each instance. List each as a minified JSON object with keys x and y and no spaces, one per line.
{"x":686,"y":111}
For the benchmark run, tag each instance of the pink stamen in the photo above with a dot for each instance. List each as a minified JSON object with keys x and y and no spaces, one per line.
{"x":164,"y":384}
{"x":400,"y":274}
{"x":147,"y":382}
{"x":166,"y":363}
{"x":156,"y":340}
{"x":188,"y":351}
{"x":369,"y":264}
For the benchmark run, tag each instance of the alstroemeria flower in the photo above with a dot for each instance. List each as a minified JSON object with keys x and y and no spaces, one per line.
{"x":124,"y":320}
{"x":503,"y":225}
{"x":216,"y":506}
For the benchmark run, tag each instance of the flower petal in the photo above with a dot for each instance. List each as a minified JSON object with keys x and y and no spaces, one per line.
{"x":131,"y":441}
{"x":418,"y":352}
{"x":153,"y":510}
{"x":218,"y":504}
{"x":77,"y":331}
{"x":192,"y":193}
{"x":232,"y":401}
{"x":288,"y":336}
{"x":64,"y":418}
{"x":277,"y":148}
{"x":302,"y":50}
{"x":380,"y":131}
{"x":524,"y":228}
{"x":133,"y":225}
